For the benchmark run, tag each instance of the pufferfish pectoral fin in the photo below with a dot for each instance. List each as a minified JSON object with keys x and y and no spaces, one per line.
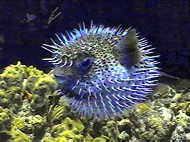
{"x":129,"y":51}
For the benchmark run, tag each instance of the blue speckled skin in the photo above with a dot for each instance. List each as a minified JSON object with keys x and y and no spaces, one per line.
{"x":103,"y":71}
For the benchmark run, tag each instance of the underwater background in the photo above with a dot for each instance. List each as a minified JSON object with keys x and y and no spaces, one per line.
{"x":29,"y":108}
{"x":24,"y":27}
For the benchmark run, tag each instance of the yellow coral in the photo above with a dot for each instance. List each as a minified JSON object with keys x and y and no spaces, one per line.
{"x":18,"y":136}
{"x":32,"y":71}
{"x":147,"y":134}
{"x":142,"y":108}
{"x":69,"y":129}
{"x":44,"y":85}
{"x":102,"y":138}
{"x":14,"y":74}
{"x":74,"y":126}
{"x":4,"y":98}
{"x":5,"y":118}
{"x":182,"y":118}
{"x":58,"y":139}
{"x":38,"y":82}
{"x":25,"y":89}
{"x":28,"y":124}
{"x":177,"y":97}
{"x":99,"y":140}
{"x":154,"y":122}
{"x":56,"y":113}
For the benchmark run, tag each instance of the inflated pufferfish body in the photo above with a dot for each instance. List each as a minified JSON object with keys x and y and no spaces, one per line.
{"x":103,"y":71}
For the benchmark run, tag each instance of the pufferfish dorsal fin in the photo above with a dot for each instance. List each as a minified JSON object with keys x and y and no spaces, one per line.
{"x":129,"y":51}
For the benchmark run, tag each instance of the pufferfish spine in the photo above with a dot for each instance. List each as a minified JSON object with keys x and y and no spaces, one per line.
{"x":103,"y":71}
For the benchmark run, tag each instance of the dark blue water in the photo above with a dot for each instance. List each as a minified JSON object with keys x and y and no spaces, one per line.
{"x":24,"y":27}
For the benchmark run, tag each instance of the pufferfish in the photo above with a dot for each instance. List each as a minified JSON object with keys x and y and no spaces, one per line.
{"x":103,"y":71}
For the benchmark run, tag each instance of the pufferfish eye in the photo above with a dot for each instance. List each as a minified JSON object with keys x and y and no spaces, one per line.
{"x":82,"y":64}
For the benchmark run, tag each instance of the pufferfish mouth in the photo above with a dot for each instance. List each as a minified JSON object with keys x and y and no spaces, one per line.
{"x":103,"y":71}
